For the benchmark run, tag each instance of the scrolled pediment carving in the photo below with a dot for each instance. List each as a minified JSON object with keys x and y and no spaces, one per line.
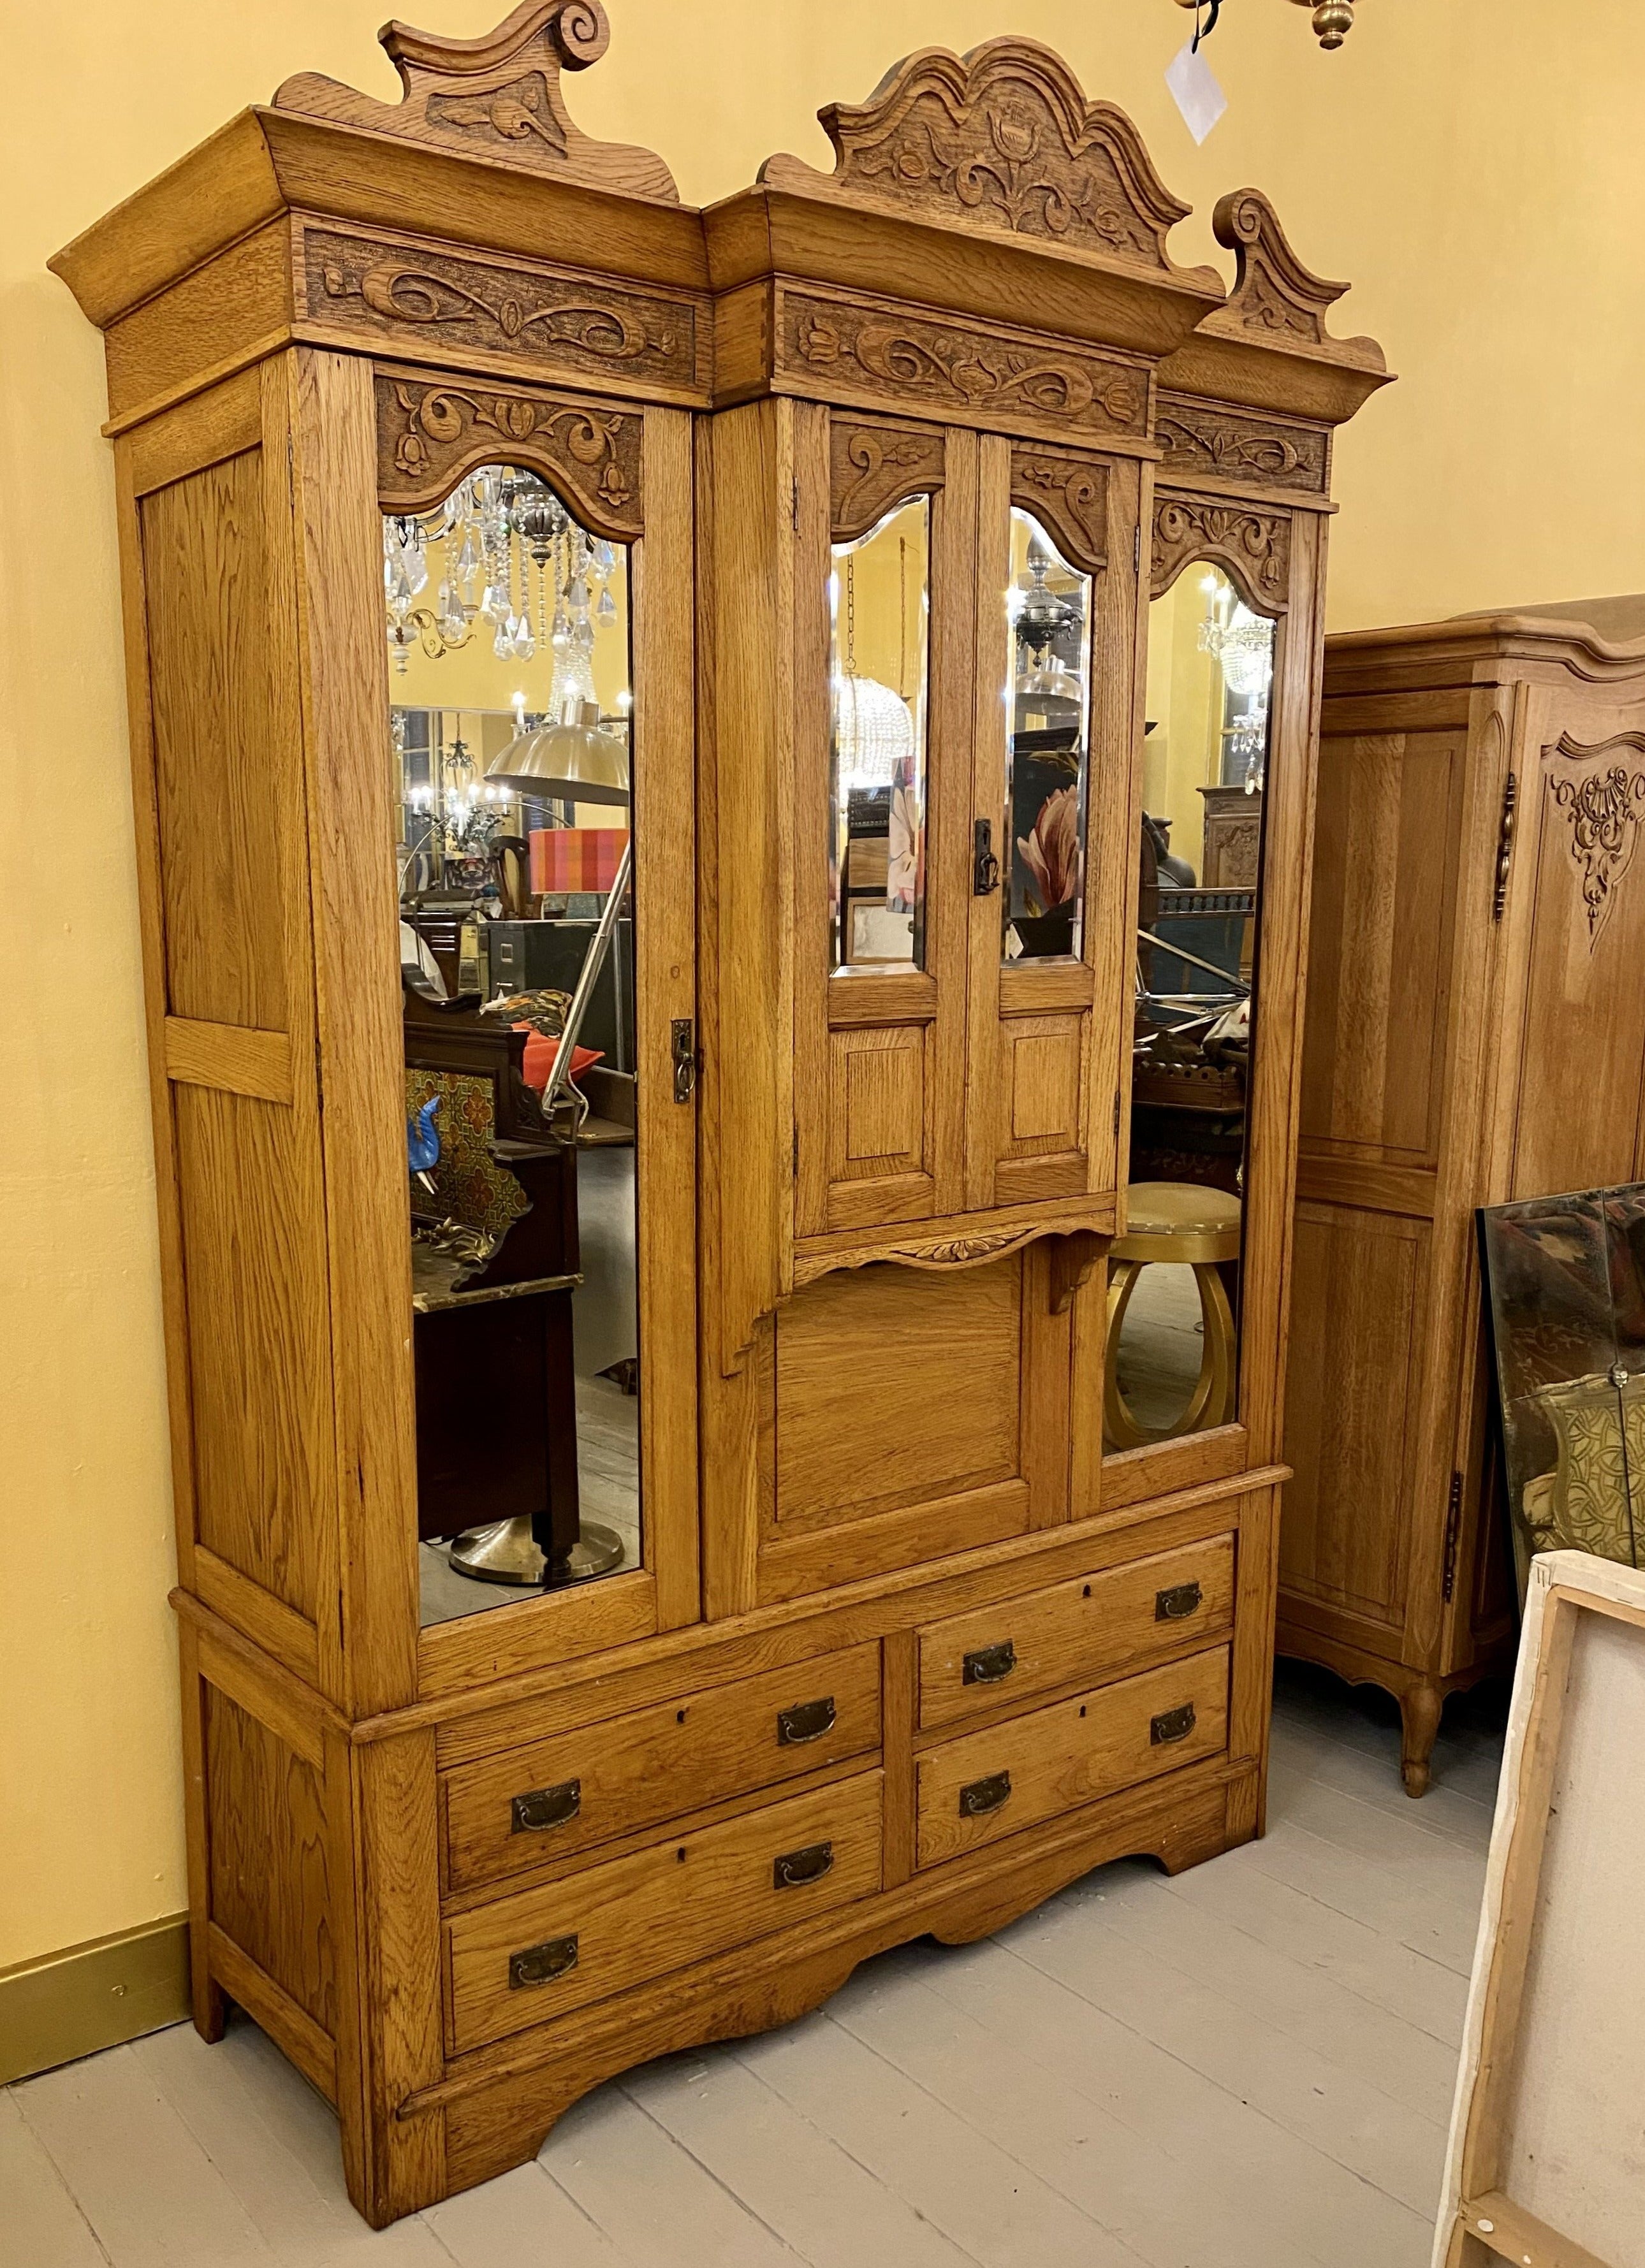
{"x":498,"y":97}
{"x":873,"y":467}
{"x":1001,"y":138}
{"x":1254,"y":547}
{"x":428,"y":436}
{"x":1274,"y":297}
{"x":1605,"y":808}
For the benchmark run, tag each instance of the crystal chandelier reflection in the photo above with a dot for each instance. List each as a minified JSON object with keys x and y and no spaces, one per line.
{"x":511,"y":559}
{"x":874,"y":727}
{"x":1242,"y":643}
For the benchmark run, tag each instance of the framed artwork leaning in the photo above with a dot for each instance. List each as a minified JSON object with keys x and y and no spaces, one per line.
{"x":1567,"y":1295}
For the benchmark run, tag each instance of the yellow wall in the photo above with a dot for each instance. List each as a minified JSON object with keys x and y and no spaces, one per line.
{"x":1474,"y":168}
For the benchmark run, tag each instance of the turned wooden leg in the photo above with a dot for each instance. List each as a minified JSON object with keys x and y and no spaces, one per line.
{"x":1419,"y":1706}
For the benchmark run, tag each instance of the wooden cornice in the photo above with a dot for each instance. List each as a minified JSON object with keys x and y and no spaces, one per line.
{"x":1464,"y":651}
{"x":268,"y":162}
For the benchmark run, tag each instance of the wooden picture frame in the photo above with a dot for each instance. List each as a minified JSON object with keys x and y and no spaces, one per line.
{"x":1543,"y":2165}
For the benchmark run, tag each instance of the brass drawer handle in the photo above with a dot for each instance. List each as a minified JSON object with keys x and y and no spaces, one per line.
{"x":807,"y":1865}
{"x":540,"y":1964}
{"x":806,"y":1720}
{"x":545,"y":1806}
{"x":979,"y":1797}
{"x":1171,"y":1724}
{"x":1177,"y":1604}
{"x":989,"y":1664}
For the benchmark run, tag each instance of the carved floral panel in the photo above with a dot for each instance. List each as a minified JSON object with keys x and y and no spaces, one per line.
{"x":429,"y":436}
{"x":1206,"y":436}
{"x":409,"y":296}
{"x":873,"y":467}
{"x":1069,"y":497}
{"x":1255,"y":547}
{"x":831,"y":346}
{"x":1605,"y":808}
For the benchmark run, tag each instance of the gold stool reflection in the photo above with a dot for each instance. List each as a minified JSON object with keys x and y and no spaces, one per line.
{"x":1182,"y":1223}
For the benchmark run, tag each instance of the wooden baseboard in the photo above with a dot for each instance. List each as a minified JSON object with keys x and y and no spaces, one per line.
{"x":71,"y":2004}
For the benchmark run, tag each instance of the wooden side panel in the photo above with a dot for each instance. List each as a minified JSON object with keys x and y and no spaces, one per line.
{"x":1385,"y":857}
{"x":230,"y":810}
{"x":1582,"y":1038}
{"x":1355,"y":1382}
{"x":217,"y":739}
{"x":269,"y":1873}
{"x":251,"y":1211}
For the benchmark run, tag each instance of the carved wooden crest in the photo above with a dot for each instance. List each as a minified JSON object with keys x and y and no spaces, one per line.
{"x":1274,"y":297}
{"x":498,"y":97}
{"x":1605,"y":808}
{"x":1003,"y":138}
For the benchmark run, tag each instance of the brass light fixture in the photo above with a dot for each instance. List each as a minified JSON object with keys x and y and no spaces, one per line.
{"x":1333,"y":19}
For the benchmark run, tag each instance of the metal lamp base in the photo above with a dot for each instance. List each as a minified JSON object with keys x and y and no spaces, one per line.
{"x":508,"y":1552}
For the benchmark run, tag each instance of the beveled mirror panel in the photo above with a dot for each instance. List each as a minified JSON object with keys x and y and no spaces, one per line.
{"x":509,"y":727}
{"x":879,"y":606}
{"x":1172,"y":1360}
{"x":1048,"y":706}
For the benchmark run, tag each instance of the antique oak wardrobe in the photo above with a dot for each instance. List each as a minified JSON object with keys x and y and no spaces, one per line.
{"x":653,"y":1537}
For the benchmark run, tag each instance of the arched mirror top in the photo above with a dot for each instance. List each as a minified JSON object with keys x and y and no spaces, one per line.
{"x":432,"y":437}
{"x":1252,"y":547}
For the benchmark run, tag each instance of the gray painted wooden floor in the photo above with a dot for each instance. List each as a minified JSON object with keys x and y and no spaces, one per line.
{"x":1248,"y":2067}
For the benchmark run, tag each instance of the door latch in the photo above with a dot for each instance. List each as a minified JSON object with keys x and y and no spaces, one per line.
{"x":683,"y":1032}
{"x":985,"y":866}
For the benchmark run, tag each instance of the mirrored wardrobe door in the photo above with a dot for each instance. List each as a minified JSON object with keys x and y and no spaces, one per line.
{"x":1056,"y":636}
{"x":541,"y":1260}
{"x":1176,"y":1277}
{"x":882,"y":787}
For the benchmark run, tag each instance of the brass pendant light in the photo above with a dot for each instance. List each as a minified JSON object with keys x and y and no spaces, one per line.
{"x":1333,"y":19}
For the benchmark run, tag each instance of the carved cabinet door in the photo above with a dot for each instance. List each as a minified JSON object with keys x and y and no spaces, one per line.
{"x":1047,"y":936}
{"x":883,"y":797}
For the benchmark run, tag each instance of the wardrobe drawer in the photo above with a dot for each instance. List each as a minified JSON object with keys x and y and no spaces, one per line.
{"x":1092,"y":1627}
{"x":540,"y":1953}
{"x":992,"y":1783}
{"x":558,"y":1796}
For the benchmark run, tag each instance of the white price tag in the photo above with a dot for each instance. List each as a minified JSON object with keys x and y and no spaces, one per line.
{"x":1193,"y":84}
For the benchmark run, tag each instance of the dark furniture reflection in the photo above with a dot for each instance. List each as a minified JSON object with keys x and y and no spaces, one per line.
{"x":1233,"y":838}
{"x":492,"y":1331}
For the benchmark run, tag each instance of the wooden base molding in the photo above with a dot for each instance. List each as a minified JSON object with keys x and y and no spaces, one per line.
{"x":93,"y":1996}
